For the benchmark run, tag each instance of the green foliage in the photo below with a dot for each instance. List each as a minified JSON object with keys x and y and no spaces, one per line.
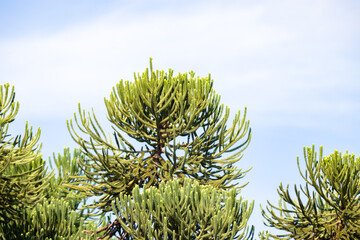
{"x":52,"y":219}
{"x":166,"y":127}
{"x":33,"y":203}
{"x":67,"y":168}
{"x":191,"y":211}
{"x":327,"y":207}
{"x":57,"y":215}
{"x":68,"y":171}
{"x":167,"y":173}
{"x":181,"y":127}
{"x":22,"y":172}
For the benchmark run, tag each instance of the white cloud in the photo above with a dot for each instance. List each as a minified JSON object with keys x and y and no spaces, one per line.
{"x":279,"y":53}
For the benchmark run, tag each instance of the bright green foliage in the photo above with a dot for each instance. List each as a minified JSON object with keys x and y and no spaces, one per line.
{"x":52,"y":219}
{"x":59,"y":215}
{"x":22,"y":172}
{"x":327,"y":207}
{"x":67,"y":166}
{"x":67,"y":169}
{"x":34,"y":204}
{"x":191,"y":211}
{"x":56,"y":216}
{"x":180,"y":129}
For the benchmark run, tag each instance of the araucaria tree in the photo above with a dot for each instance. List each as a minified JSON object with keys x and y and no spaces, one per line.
{"x":327,"y":207}
{"x":165,"y":127}
{"x":34,"y":204}
{"x":22,"y":179}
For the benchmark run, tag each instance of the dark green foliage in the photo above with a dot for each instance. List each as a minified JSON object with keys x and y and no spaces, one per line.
{"x":327,"y":207}
{"x":183,"y":212}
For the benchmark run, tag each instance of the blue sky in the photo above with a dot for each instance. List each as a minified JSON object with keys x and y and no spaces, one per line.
{"x":293,"y":64}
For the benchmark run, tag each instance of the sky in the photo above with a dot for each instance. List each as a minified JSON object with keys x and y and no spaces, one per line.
{"x":295,"y":65}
